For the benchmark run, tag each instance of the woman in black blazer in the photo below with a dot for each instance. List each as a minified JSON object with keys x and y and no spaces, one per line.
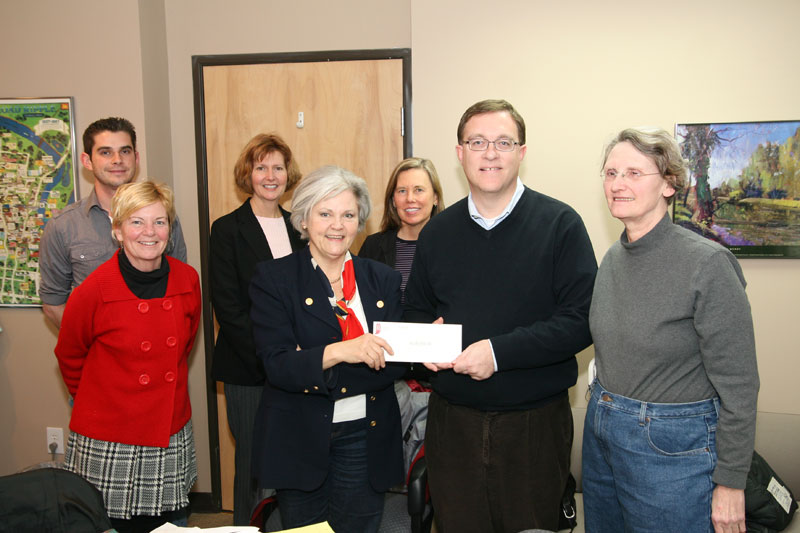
{"x":413,"y":195}
{"x":328,"y":429}
{"x":258,"y":230}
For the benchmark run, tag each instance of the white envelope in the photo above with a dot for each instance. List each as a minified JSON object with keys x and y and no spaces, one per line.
{"x":420,"y":343}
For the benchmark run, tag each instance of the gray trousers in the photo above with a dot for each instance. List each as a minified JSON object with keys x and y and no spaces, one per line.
{"x":243,"y":403}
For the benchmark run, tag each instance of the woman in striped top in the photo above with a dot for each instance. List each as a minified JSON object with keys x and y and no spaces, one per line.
{"x":413,"y":196}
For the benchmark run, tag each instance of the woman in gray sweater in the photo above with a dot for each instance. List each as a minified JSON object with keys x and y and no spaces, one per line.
{"x":671,"y":422}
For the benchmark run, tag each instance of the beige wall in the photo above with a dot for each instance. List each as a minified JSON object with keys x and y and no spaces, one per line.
{"x":55,"y":48}
{"x":577,"y":71}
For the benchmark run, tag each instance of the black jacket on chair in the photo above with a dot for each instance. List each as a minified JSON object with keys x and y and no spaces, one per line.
{"x":293,"y":322}
{"x":238,"y":244}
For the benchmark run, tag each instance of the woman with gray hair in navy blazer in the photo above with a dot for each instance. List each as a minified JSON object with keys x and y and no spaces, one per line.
{"x":328,"y":428}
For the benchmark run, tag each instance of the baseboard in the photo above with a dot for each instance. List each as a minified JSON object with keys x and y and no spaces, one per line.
{"x":203,"y":502}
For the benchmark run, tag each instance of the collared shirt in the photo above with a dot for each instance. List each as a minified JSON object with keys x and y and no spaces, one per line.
{"x":79,"y":240}
{"x":489,"y":223}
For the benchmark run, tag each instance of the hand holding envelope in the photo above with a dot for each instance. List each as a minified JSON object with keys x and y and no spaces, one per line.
{"x":420,"y":343}
{"x":367,"y":348}
{"x":477,"y":361}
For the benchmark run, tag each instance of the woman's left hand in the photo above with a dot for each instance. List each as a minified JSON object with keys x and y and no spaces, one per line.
{"x":727,"y":510}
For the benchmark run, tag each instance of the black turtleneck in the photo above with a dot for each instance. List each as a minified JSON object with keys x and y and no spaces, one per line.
{"x":144,"y":284}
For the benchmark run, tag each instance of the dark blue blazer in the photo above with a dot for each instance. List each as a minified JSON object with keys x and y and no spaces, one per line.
{"x":292,"y":323}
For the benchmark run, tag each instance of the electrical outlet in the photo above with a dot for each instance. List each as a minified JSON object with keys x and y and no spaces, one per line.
{"x":55,"y":435}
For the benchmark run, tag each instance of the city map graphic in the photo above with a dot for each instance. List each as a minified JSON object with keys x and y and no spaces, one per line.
{"x":37,"y":180}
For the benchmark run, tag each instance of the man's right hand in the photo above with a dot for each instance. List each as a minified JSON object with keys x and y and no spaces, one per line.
{"x":54,"y":313}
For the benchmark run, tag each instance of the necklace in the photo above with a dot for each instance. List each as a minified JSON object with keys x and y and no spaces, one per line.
{"x":332,"y":281}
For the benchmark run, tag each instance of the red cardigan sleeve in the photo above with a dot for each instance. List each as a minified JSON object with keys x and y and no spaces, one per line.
{"x":76,"y":333}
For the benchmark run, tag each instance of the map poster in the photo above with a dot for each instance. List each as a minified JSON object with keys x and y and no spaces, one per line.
{"x":37,"y":180}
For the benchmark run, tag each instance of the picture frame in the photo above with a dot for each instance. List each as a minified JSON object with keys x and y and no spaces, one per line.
{"x":743,"y":186}
{"x":38,"y":179}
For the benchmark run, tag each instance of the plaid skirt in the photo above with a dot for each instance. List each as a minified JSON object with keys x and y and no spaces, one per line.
{"x":136,"y":480}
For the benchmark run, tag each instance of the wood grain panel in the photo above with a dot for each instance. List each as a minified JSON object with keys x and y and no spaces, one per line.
{"x":352,"y":119}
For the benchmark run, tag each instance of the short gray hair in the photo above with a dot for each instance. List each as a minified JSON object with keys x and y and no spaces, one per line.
{"x":661,"y":148}
{"x":326,"y":182}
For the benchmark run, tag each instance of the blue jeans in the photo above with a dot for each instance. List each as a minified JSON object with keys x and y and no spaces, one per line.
{"x":346,"y":499}
{"x":647,"y":466}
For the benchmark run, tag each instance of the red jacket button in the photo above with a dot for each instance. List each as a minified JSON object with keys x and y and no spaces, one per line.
{"x":143,"y":307}
{"x":169,"y":377}
{"x":166,"y":305}
{"x":144,"y":379}
{"x":145,"y":346}
{"x":171,"y":342}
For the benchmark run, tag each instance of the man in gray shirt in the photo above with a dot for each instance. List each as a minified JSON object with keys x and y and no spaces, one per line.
{"x":79,"y":239}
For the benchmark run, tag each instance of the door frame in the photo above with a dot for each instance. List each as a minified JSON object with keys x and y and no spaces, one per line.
{"x":213,"y":502}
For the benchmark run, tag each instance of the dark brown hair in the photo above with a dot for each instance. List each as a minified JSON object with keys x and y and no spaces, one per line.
{"x":492,"y":106}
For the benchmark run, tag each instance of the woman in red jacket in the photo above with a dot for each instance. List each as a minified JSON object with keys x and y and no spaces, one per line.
{"x":123,"y":347}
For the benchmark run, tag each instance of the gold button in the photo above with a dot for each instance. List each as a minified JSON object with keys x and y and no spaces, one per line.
{"x":344,"y":390}
{"x":372,"y":398}
{"x":305,"y":390}
{"x":316,"y":388}
{"x":373,"y":423}
{"x":380,"y":304}
{"x":309,"y":301}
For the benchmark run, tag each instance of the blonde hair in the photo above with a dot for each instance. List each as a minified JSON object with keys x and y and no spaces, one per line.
{"x":391,"y":220}
{"x":131,"y":197}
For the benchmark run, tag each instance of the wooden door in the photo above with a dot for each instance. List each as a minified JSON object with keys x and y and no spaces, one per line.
{"x":352,"y":116}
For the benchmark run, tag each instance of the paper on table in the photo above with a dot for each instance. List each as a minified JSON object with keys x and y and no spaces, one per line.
{"x":322,"y":527}
{"x":172,"y":528}
{"x":420,"y":343}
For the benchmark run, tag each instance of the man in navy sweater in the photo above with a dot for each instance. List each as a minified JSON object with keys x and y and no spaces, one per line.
{"x":516,"y":269}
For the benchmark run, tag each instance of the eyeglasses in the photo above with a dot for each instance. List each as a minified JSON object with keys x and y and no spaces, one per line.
{"x":610,"y":174}
{"x":481,"y":145}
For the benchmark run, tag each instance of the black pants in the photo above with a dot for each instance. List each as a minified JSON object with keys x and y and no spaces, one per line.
{"x":242,"y":401}
{"x":497,"y":471}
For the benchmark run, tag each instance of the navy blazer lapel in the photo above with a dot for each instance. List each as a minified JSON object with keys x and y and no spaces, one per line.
{"x":311,"y":292}
{"x":373,"y":304}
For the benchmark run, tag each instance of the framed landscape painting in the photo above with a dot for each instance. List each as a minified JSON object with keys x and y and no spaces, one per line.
{"x":744,"y":186}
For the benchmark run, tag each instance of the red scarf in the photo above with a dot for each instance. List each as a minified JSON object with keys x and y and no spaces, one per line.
{"x":348,"y":321}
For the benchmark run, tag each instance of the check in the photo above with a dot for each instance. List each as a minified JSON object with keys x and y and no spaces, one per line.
{"x":420,"y":343}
